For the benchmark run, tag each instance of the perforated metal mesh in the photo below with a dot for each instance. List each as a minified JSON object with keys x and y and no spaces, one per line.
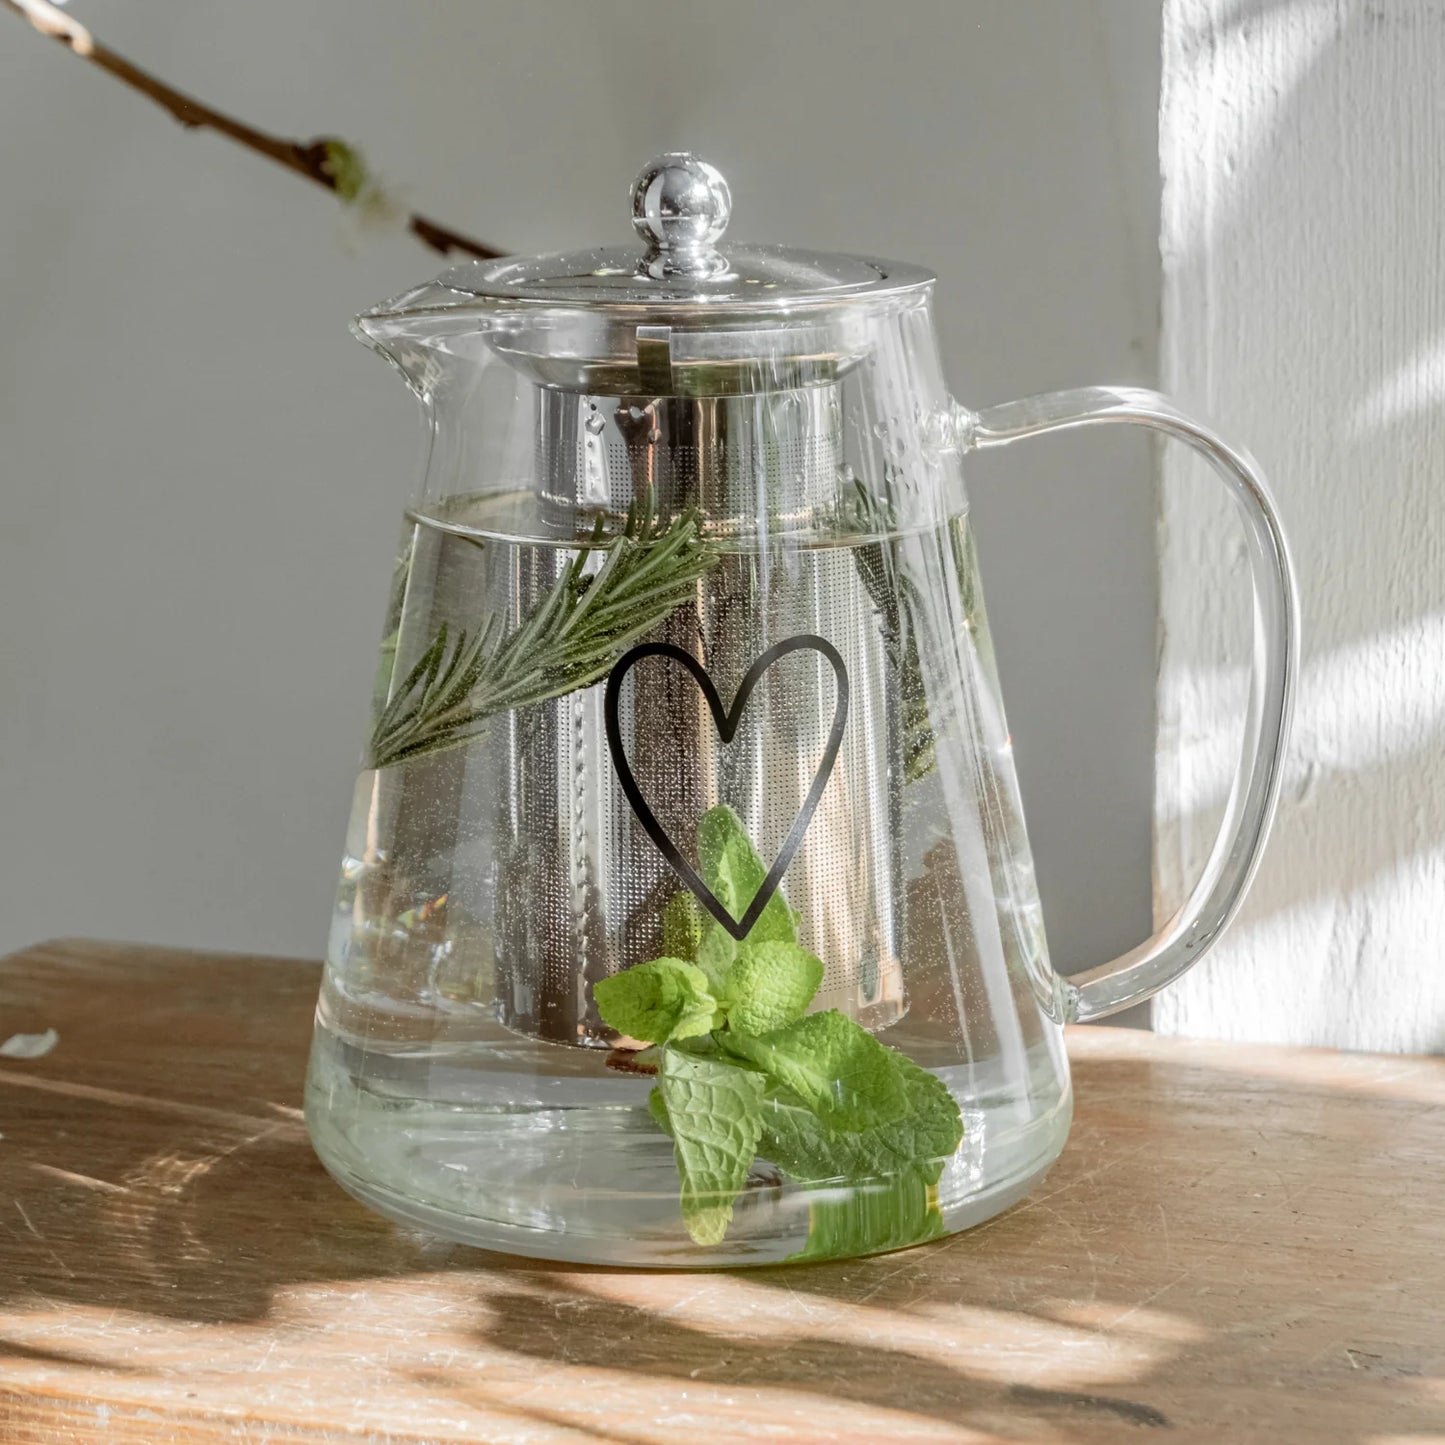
{"x":743,"y":460}
{"x":589,"y":884}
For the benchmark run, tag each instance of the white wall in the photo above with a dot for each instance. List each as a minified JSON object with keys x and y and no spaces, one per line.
{"x":1304,"y":306}
{"x":202,"y":473}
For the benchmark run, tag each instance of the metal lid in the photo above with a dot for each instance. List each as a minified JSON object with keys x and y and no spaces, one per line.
{"x":686,"y":277}
{"x":681,"y":207}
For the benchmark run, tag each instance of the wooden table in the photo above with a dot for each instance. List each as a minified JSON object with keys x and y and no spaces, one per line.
{"x":1238,"y":1244}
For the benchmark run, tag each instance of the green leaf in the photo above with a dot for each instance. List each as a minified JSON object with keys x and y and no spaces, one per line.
{"x":931,"y":1128}
{"x":658,"y":1109}
{"x":715,"y":1115}
{"x":836,"y":1068}
{"x":667,"y":998}
{"x":681,"y":927}
{"x":733,"y":871}
{"x":868,"y":1218}
{"x":877,"y":1184}
{"x":770,"y":986}
{"x":920,"y":1141}
{"x":715,"y":953}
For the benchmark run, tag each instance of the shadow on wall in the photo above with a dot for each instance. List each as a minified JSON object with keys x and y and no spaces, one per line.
{"x":1304,"y":302}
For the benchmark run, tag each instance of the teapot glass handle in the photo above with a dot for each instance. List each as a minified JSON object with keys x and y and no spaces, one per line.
{"x":1227,"y":874}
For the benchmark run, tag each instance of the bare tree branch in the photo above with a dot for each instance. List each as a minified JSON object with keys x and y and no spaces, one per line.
{"x":327,"y":160}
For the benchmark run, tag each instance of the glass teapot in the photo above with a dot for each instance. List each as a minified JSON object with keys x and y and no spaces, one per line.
{"x":687,"y":916}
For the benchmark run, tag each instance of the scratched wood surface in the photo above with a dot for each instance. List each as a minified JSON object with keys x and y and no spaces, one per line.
{"x":1238,"y":1244}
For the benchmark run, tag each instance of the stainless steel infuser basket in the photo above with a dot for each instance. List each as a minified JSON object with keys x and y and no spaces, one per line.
{"x":674,"y":395}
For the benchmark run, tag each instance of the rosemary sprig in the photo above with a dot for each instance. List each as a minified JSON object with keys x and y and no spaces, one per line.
{"x":895,"y":597}
{"x":569,"y":641}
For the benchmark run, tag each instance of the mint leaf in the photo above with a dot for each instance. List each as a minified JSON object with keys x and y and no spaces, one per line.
{"x":733,"y":871}
{"x":920,"y":1141}
{"x":658,"y":1109}
{"x":836,"y":1068}
{"x":867,"y":1218}
{"x":657,"y":1001}
{"x":769,"y":986}
{"x":879,"y":1193}
{"x":931,"y":1129}
{"x":715,"y":953}
{"x":714,"y":1114}
{"x":681,"y":927}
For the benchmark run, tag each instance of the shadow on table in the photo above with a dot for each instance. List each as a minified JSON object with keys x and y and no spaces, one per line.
{"x":186,"y":1220}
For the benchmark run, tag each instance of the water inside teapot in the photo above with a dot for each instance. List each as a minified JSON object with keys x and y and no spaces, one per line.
{"x":464,"y":1077}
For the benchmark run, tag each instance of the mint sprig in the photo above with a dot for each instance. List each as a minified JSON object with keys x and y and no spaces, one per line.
{"x":743,"y":1068}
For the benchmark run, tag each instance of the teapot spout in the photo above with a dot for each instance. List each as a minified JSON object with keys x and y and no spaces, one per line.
{"x":426,"y":336}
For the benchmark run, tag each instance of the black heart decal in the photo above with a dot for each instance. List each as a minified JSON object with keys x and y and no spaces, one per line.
{"x":726,"y":721}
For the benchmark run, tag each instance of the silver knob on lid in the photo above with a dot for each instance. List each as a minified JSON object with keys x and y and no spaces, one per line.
{"x":681,"y":206}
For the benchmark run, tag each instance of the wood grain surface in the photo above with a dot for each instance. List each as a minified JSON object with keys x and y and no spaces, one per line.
{"x":1238,"y":1244}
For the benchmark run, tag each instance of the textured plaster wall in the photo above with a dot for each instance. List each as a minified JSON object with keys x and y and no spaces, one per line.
{"x":1304,"y":307}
